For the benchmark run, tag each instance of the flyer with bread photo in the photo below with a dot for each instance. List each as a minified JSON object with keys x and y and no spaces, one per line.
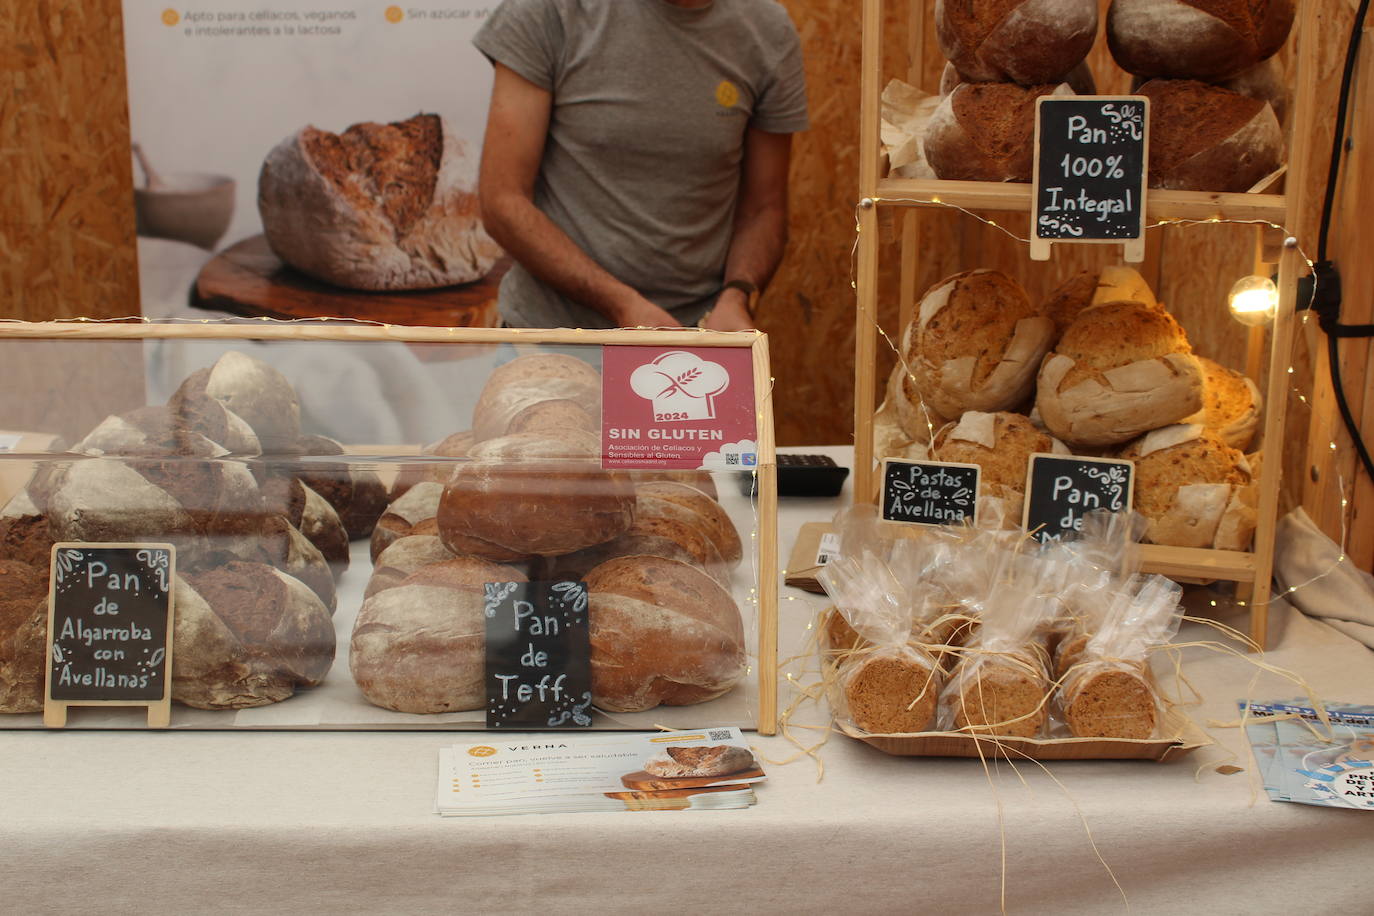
{"x":292,"y":158}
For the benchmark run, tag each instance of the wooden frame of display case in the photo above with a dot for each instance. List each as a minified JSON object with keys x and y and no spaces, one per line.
{"x":1251,"y":570}
{"x":766,"y":482}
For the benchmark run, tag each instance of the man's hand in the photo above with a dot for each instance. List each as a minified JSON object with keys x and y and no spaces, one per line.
{"x":731,"y":313}
{"x":638,"y":312}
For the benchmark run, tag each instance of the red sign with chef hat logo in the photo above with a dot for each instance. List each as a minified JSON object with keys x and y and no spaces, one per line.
{"x":678,"y":407}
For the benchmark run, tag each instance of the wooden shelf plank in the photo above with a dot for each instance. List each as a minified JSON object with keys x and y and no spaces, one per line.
{"x":1198,"y":563}
{"x":992,"y":195}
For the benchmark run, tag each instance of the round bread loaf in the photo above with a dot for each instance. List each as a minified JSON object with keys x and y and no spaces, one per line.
{"x":532,"y":494}
{"x":914,"y":419}
{"x":575,"y":566}
{"x":308,"y":512}
{"x":23,"y":635}
{"x":1205,"y":138}
{"x":455,"y":445}
{"x":660,"y":518}
{"x":1080,"y":79}
{"x":1001,"y":445}
{"x":412,"y":513}
{"x":24,"y":534}
{"x":277,"y":543}
{"x":986,"y":131}
{"x":713,"y":519}
{"x":890,"y":691}
{"x":1086,"y":289}
{"x":420,"y":647}
{"x":405,"y":557}
{"x":246,"y":634}
{"x":1196,"y":39}
{"x":700,"y":480}
{"x":516,"y":395}
{"x":355,"y":491}
{"x":1016,"y":41}
{"x":976,"y":343}
{"x":1110,"y":701}
{"x":252,"y":390}
{"x":159,"y":432}
{"x":1194,"y":489}
{"x":1120,"y":369}
{"x":661,"y":633}
{"x":1231,"y":405}
{"x":378,"y":207}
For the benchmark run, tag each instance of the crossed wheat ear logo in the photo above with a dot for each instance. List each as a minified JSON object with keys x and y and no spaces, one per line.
{"x":680,"y":385}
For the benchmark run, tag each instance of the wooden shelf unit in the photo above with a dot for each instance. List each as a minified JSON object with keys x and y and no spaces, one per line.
{"x":1252,"y":571}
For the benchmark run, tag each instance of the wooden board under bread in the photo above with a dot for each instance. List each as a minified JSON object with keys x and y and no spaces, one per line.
{"x":643,"y":781}
{"x":248,"y":279}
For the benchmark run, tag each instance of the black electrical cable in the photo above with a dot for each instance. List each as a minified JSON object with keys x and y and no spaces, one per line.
{"x":1328,"y":306}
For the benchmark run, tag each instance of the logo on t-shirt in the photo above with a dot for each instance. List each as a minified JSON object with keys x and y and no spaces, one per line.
{"x":681,"y":386}
{"x":727,"y":94}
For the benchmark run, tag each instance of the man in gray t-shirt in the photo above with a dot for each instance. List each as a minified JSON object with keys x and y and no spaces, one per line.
{"x":635,"y":160}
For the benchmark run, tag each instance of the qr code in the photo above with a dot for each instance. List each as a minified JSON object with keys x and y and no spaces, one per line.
{"x":731,"y":458}
{"x":719,"y":734}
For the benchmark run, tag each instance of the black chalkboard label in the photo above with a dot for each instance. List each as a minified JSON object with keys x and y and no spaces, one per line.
{"x":538,"y":655}
{"x":1061,"y":489}
{"x":1090,"y":163}
{"x":929,"y":492}
{"x":109,"y":624}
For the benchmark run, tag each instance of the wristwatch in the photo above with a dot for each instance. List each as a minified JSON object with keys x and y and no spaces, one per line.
{"x":750,"y":291}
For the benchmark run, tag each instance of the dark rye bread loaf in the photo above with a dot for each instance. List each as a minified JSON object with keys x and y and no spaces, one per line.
{"x":985,"y":131}
{"x":377,"y":207}
{"x":310,"y":514}
{"x":23,"y":635}
{"x":1196,"y":39}
{"x":356,"y":492}
{"x":1080,"y":79}
{"x":420,"y":646}
{"x":251,"y":390}
{"x":160,"y":431}
{"x":1018,"y":41}
{"x":246,"y":635}
{"x":662,"y":632}
{"x":1205,"y":138}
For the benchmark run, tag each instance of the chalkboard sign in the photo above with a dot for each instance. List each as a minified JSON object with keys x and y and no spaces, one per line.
{"x":1062,"y":489}
{"x":109,"y":628}
{"x":538,"y":655}
{"x":1090,"y":163}
{"x":929,"y":492}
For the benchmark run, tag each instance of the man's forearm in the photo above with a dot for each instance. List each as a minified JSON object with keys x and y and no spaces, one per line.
{"x":757,"y":245}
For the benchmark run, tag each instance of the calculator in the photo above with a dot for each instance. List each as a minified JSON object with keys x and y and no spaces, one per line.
{"x":803,"y":475}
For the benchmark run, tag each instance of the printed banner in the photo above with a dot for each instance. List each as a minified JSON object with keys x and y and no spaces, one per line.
{"x":678,"y":407}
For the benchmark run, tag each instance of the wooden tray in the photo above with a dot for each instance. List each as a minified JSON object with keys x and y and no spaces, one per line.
{"x":1188,"y":738}
{"x":248,"y":279}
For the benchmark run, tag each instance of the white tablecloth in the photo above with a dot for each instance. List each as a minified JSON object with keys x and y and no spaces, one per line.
{"x":108,"y":822}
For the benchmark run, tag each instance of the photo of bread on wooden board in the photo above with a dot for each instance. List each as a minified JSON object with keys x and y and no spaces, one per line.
{"x":377,"y":206}
{"x":695,"y":761}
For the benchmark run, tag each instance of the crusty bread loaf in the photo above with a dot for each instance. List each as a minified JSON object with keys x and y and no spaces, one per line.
{"x":405,"y":557}
{"x":1195,"y":490}
{"x":915,"y":420}
{"x":355,"y":491}
{"x":420,"y":647}
{"x":662,"y":632}
{"x":454,"y":445}
{"x":1018,"y":41}
{"x":575,"y":566}
{"x":1080,"y":79}
{"x":502,"y":502}
{"x":1086,"y":289}
{"x":246,"y":635}
{"x":24,"y":533}
{"x":23,"y":635}
{"x":1196,"y":39}
{"x":1001,"y":445}
{"x":1231,"y":405}
{"x":378,"y":207}
{"x":976,"y":343}
{"x":159,"y":432}
{"x":712,"y":519}
{"x":697,"y":762}
{"x":890,"y":691}
{"x":986,"y":131}
{"x":251,"y":390}
{"x":1111,"y":701}
{"x":310,"y":514}
{"x":1120,"y":369}
{"x":656,"y":517}
{"x":1205,"y":138}
{"x":407,"y":515}
{"x":516,"y":397}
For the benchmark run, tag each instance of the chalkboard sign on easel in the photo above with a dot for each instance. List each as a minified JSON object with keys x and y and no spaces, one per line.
{"x":110,"y":629}
{"x":538,"y":664}
{"x":1062,"y":489}
{"x":929,"y":492}
{"x":1091,"y":155}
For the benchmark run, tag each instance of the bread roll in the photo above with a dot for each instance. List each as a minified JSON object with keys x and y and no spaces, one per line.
{"x":246,"y":635}
{"x":413,"y":513}
{"x":976,"y":343}
{"x":1205,"y":138}
{"x":516,"y":395}
{"x":420,"y":647}
{"x":405,"y":557}
{"x":250,"y":389}
{"x":1001,"y":445}
{"x":661,"y":633}
{"x":1122,"y":368}
{"x":378,"y":207}
{"x":355,"y":491}
{"x":892,"y":690}
{"x":1231,"y":405}
{"x":1086,"y":288}
{"x":534,"y":494}
{"x":986,"y":131}
{"x":454,"y":445}
{"x":1196,"y":39}
{"x":1195,"y":490}
{"x":713,"y":520}
{"x":1017,"y":41}
{"x":23,"y":635}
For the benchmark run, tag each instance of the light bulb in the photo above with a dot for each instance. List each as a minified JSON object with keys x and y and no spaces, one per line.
{"x":1253,"y":300}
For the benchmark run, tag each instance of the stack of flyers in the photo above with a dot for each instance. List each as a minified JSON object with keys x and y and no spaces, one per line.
{"x":664,"y":771}
{"x":1297,"y":761}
